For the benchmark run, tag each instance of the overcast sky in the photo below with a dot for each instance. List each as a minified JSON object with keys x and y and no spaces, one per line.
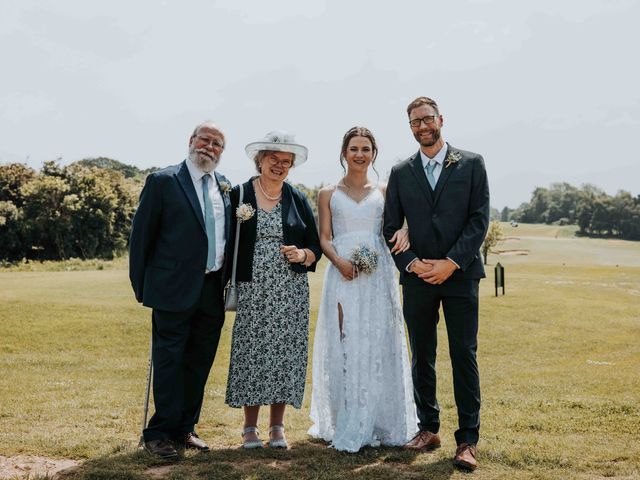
{"x":544,"y":90}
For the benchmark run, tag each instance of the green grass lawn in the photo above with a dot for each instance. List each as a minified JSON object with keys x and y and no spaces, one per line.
{"x":559,"y":360}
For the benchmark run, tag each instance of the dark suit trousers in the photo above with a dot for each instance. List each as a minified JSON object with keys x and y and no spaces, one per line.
{"x":459,"y":301}
{"x":184,"y":346}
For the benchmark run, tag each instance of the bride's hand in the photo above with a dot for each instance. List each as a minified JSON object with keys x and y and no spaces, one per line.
{"x":401,"y":239}
{"x":346,"y":269}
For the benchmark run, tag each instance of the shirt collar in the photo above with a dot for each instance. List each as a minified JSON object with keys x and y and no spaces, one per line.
{"x":439,"y":158}
{"x":195,"y":172}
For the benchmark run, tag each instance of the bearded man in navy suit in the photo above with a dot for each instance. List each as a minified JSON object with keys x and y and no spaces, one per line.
{"x":442,"y":192}
{"x":177,"y":260}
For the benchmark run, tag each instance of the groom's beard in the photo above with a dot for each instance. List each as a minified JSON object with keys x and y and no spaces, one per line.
{"x":427,"y":140}
{"x":204,"y":160}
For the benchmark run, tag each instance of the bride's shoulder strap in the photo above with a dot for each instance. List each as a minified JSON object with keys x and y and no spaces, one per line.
{"x":329,"y":188}
{"x":326,"y":192}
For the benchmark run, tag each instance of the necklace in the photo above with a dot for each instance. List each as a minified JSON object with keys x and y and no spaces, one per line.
{"x":344,"y":182}
{"x":273,"y":199}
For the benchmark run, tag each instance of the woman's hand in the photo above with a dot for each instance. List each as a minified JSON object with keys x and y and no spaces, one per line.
{"x":401,"y":239}
{"x":293,"y":254}
{"x":346,"y":268}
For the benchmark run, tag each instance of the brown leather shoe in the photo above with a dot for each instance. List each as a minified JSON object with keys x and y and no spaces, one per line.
{"x":423,"y":441}
{"x":161,"y":448}
{"x":466,"y":457}
{"x":191,"y":441}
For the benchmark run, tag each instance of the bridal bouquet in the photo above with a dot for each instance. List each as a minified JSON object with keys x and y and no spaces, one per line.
{"x":364,"y":258}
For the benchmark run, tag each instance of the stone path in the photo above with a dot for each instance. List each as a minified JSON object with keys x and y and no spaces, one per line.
{"x":28,"y":466}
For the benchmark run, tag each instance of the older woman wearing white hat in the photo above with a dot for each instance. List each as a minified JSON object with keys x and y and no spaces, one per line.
{"x":278,"y":245}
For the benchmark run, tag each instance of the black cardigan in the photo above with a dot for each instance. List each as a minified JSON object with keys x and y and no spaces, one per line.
{"x":298,"y":228}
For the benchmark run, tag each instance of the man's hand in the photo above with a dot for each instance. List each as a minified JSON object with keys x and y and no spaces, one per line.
{"x":439,"y":272}
{"x":420,"y":267}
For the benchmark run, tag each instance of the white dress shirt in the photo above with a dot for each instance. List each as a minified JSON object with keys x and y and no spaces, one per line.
{"x":439,"y":159}
{"x":218,"y":208}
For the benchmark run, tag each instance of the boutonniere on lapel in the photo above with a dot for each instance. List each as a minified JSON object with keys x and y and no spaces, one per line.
{"x":225,"y":187}
{"x":244,"y":212}
{"x":452,"y":158}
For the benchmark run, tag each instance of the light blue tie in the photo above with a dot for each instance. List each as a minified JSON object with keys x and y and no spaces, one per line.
{"x":431,"y":166}
{"x":209,"y":223}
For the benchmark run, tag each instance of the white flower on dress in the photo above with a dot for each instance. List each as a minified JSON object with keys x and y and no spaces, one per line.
{"x":245,"y":211}
{"x":452,"y":157}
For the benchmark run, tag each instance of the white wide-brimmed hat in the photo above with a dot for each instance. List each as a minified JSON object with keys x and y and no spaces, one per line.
{"x":279,"y":142}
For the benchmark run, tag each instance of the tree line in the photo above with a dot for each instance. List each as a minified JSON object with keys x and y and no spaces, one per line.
{"x":596,"y":213}
{"x":83,"y":210}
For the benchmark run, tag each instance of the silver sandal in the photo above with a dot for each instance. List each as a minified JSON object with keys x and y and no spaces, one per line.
{"x":280,"y":442}
{"x":248,"y":444}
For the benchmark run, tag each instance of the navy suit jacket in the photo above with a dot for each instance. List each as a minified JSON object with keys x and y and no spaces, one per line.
{"x":450,"y":221}
{"x":168,"y":243}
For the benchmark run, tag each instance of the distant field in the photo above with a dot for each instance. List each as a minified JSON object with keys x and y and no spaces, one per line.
{"x":559,"y":358}
{"x":544,"y":244}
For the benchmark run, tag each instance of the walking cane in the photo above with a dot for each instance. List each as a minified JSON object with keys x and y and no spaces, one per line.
{"x":146,"y":397}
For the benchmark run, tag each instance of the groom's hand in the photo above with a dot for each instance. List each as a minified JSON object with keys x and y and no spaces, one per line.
{"x":420,"y":267}
{"x":439,"y":272}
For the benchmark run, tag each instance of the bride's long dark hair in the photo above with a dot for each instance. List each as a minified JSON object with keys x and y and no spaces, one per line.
{"x":358,"y":132}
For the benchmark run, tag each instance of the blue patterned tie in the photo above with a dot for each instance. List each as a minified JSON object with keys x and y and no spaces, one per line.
{"x":209,"y":223}
{"x":431,"y":166}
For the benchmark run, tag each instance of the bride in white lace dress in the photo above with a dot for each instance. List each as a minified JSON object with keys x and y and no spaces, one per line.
{"x":362,"y":389}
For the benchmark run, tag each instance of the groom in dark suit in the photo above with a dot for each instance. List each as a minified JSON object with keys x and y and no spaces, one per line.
{"x":442,"y":193}
{"x":176,"y":265}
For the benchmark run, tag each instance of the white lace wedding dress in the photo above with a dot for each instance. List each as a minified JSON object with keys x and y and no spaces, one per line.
{"x":362,"y":389}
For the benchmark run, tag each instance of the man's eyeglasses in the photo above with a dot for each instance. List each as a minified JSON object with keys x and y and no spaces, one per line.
{"x":214,"y":142}
{"x":429,"y":119}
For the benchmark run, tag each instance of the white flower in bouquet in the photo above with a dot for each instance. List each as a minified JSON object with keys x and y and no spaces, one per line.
{"x":365,"y":259}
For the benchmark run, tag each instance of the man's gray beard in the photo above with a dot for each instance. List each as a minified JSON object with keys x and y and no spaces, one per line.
{"x":203,"y":162}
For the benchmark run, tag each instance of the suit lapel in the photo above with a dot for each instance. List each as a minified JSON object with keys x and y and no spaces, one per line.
{"x":185,"y":181}
{"x":421,"y":176}
{"x":227,"y":207}
{"x":444,"y":175}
